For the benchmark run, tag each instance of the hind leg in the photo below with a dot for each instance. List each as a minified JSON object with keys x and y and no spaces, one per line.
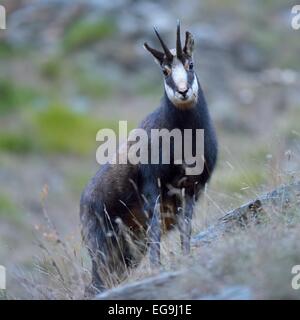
{"x":96,"y":286}
{"x":110,"y":261}
{"x":116,"y":250}
{"x":107,"y":248}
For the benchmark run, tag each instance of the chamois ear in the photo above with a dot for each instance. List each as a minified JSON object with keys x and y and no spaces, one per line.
{"x":189,"y":44}
{"x":158,"y":56}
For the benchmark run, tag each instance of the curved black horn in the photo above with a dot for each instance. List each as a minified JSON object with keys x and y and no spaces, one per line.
{"x":165,"y":48}
{"x":157,"y":54}
{"x":178,"y":42}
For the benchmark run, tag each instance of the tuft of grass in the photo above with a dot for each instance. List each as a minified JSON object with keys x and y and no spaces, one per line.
{"x":60,"y":269}
{"x":84,"y":33}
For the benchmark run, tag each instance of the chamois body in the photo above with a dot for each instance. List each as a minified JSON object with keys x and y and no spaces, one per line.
{"x":119,"y":206}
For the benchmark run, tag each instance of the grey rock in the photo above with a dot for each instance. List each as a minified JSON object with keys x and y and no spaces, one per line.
{"x":231,"y":293}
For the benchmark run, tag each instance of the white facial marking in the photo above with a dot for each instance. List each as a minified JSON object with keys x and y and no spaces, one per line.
{"x":179,"y":75}
{"x":195,"y":86}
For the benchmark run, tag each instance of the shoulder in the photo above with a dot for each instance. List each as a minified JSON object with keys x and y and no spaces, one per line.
{"x":152,"y":120}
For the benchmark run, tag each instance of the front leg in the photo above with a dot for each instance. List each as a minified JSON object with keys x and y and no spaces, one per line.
{"x":155,"y":235}
{"x":185,"y":223}
{"x":152,"y":205}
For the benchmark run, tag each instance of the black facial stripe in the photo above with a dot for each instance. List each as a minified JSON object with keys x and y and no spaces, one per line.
{"x":170,"y":82}
{"x":190,"y":78}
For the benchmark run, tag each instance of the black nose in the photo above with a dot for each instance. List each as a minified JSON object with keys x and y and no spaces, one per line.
{"x":183,"y":93}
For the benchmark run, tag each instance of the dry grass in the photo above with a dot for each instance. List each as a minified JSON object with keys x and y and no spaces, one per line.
{"x":258,"y":257}
{"x":60,"y":268}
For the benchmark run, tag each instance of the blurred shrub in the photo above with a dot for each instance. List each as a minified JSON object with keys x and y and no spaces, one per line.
{"x":17,"y":142}
{"x":56,"y":129}
{"x":84,"y":33}
{"x":61,"y":130}
{"x":12,"y":96}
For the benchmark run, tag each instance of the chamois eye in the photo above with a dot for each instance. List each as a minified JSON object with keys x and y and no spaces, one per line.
{"x":166,"y":71}
{"x":191,"y":66}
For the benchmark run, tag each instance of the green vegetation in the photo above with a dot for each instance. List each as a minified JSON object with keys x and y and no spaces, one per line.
{"x":93,"y":86}
{"x":8,"y":210}
{"x":84,"y":33}
{"x":13,"y":96}
{"x":5,"y":49}
{"x":51,"y":68}
{"x":16,"y":142}
{"x":57,"y":129}
{"x":62,"y":130}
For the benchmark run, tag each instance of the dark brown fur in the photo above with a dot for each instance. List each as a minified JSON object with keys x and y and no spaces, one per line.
{"x":124,"y":207}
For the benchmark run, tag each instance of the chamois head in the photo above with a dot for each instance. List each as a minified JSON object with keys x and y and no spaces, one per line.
{"x":177,"y":65}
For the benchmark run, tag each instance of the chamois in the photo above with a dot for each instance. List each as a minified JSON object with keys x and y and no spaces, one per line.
{"x":125,"y":207}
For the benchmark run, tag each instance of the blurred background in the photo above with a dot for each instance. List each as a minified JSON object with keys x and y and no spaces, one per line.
{"x":70,"y":68}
